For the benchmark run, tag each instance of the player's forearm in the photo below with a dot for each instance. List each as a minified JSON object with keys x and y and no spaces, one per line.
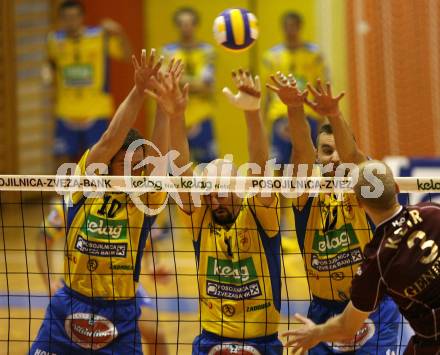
{"x":258,"y":147}
{"x":344,"y":140}
{"x":303,"y":151}
{"x":179,"y":142}
{"x":336,"y":329}
{"x":160,"y":138}
{"x":113,"y":138}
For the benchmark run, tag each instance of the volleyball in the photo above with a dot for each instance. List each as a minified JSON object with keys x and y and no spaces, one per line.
{"x":235,"y":29}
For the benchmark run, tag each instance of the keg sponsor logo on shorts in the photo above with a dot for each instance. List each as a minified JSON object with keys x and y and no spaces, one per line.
{"x":337,"y":262}
{"x":233,"y":348}
{"x":117,"y":250}
{"x":90,"y":331}
{"x":335,"y":241}
{"x":102,"y":228}
{"x":232,"y":292}
{"x":231,"y":272}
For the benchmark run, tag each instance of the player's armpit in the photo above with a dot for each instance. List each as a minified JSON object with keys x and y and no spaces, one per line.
{"x":268,"y":215}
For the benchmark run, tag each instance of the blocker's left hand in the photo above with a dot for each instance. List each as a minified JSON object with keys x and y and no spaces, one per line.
{"x":248,"y":97}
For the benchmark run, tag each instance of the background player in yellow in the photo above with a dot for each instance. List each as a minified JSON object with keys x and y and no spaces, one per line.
{"x":236,"y":240}
{"x":198,"y":58}
{"x":306,"y":63}
{"x":53,"y":230}
{"x":106,"y":236}
{"x":79,"y":57}
{"x":332,"y":230}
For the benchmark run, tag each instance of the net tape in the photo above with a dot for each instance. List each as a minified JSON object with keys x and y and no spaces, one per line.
{"x":200,"y":184}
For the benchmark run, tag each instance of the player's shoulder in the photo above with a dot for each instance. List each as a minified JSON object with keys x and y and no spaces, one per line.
{"x":277,"y":49}
{"x":426,"y":209}
{"x":205,"y":46}
{"x":171,"y":47}
{"x":57,"y":35}
{"x":93,"y":31}
{"x":311,"y":47}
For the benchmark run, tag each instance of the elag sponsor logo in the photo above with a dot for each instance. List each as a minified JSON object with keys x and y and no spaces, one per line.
{"x":231,"y":272}
{"x":104,"y":228}
{"x":335,"y":241}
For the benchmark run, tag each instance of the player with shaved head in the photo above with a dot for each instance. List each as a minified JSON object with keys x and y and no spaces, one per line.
{"x":401,"y":261}
{"x":332,"y":229}
{"x":236,"y":240}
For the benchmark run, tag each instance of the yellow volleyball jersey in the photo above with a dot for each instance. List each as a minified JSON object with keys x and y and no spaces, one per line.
{"x":332,"y":233}
{"x":305,"y":63}
{"x":82,"y":73}
{"x":239,"y":271}
{"x":200,"y":66}
{"x":105,"y":240}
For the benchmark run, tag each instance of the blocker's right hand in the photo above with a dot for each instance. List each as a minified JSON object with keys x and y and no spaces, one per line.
{"x":286,"y":89}
{"x":248,"y":97}
{"x":146,"y":70}
{"x":167,"y":92}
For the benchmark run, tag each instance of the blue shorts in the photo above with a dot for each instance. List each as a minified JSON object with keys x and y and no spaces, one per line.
{"x":75,"y":324}
{"x":72,"y":140}
{"x":202,"y":143}
{"x":378,"y":335}
{"x":282,"y":147}
{"x":143,"y":298}
{"x":205,"y":342}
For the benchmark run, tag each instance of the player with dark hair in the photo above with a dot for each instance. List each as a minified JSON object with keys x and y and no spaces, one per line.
{"x":401,"y":261}
{"x":332,"y":230}
{"x":79,"y":62}
{"x":199,"y":60}
{"x":97,"y":308}
{"x":53,"y":230}
{"x":236,"y":239}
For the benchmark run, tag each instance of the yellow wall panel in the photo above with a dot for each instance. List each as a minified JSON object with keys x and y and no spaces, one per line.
{"x":229,"y":122}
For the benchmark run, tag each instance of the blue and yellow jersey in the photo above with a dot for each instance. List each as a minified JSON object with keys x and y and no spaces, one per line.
{"x":105,"y":240}
{"x":305,"y":63}
{"x":82,"y":73}
{"x":199,"y":66}
{"x":332,"y":233}
{"x":239,"y":271}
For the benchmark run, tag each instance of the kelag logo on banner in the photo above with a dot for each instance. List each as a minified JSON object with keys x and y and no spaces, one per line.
{"x":415,"y":167}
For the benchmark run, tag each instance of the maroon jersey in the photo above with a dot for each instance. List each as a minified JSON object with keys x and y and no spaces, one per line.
{"x":403,"y":260}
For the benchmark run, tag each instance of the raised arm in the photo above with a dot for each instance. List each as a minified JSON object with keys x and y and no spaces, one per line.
{"x":303,"y":151}
{"x":248,"y":99}
{"x":125,"y":117}
{"x":172,"y":100}
{"x":325,"y":104}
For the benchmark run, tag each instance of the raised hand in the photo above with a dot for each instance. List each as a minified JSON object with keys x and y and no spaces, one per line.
{"x":324,"y":103}
{"x":146,"y":70}
{"x":287,"y":91}
{"x":248,"y":97}
{"x":167,"y":92}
